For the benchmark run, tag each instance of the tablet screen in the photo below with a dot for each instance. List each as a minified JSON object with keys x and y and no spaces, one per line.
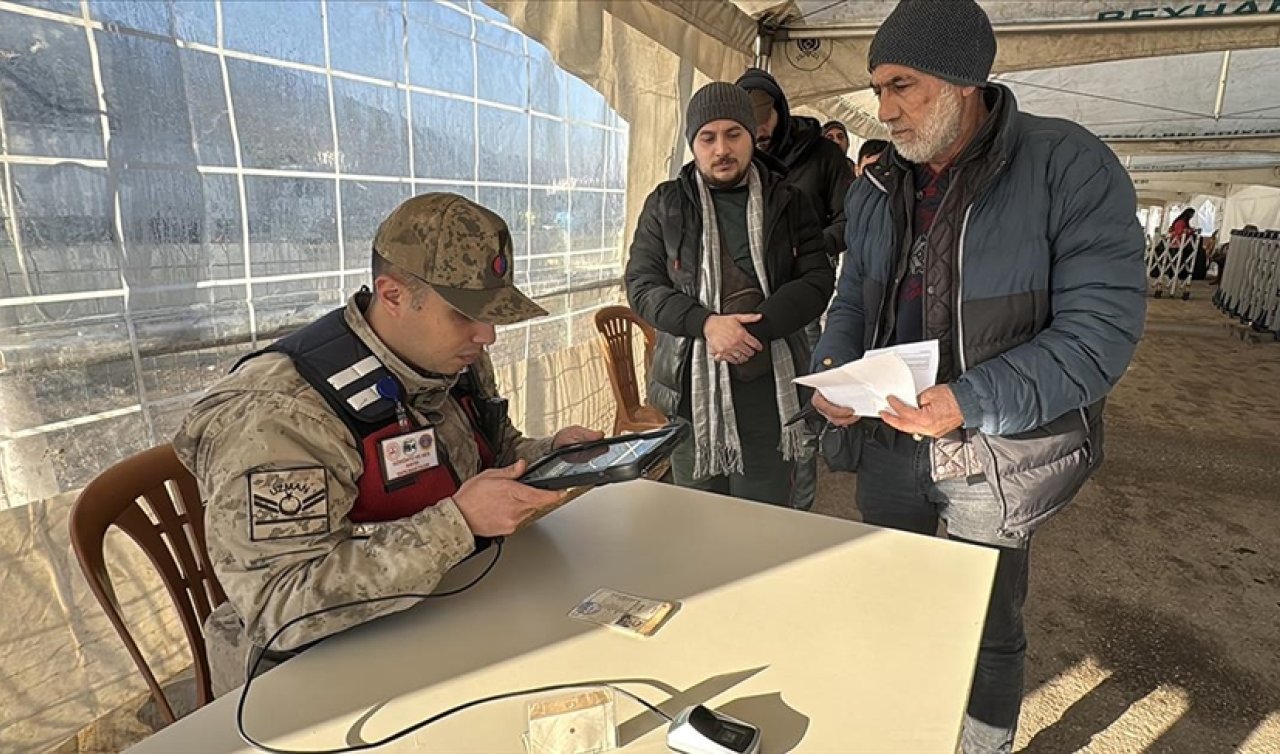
{"x":598,"y":459}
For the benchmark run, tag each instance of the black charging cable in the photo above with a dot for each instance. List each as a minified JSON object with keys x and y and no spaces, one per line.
{"x":253,"y":669}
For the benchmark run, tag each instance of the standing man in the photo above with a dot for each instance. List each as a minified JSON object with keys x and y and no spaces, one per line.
{"x":1013,"y":240}
{"x":834,"y":131}
{"x":729,"y":265}
{"x":368,"y":453}
{"x":815,"y":165}
{"x":820,"y":169}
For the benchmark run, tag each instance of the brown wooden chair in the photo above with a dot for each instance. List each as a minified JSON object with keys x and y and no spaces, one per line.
{"x":617,"y":326}
{"x":155,"y":500}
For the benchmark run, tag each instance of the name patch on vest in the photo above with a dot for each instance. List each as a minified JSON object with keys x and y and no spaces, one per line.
{"x":407,"y":454}
{"x":288,"y":503}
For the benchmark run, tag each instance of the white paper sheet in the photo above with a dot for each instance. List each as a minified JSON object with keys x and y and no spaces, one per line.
{"x":864,"y":386}
{"x":921,"y":357}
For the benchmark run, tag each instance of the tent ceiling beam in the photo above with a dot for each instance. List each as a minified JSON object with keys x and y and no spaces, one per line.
{"x":812,"y":68}
{"x":1204,"y":181}
{"x":1267,"y":143}
{"x":868,"y":30}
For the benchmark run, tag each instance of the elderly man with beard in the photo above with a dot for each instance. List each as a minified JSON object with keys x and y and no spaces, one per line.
{"x":729,"y":264}
{"x":1013,"y":240}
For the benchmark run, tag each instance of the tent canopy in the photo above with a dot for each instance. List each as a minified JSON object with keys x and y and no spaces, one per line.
{"x":1191,"y":90}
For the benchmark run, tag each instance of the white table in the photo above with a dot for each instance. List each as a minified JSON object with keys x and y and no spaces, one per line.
{"x":829,"y":635}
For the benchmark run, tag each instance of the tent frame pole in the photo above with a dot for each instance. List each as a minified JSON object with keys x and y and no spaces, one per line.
{"x":764,"y":46}
{"x":1222,"y":85}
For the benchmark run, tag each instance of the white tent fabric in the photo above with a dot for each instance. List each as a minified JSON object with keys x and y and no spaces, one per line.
{"x":1250,"y":205}
{"x":1151,"y":80}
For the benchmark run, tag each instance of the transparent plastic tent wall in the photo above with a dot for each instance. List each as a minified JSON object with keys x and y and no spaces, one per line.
{"x":185,"y":181}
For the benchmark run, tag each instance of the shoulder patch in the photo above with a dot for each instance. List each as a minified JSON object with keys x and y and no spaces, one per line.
{"x":288,"y":503}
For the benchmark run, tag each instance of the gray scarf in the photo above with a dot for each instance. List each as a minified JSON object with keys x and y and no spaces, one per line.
{"x":717,"y":447}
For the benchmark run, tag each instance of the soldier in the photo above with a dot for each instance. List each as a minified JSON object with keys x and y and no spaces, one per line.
{"x":368,"y":453}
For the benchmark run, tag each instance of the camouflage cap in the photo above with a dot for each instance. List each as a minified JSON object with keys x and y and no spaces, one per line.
{"x":462,"y":250}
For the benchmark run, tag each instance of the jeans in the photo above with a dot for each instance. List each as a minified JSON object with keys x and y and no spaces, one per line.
{"x":765,"y":477}
{"x":896,"y":490}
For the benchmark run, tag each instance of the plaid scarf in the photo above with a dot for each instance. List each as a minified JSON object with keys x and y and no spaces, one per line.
{"x":717,"y":447}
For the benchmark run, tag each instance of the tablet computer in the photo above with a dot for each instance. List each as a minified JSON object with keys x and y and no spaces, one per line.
{"x":613,"y":459}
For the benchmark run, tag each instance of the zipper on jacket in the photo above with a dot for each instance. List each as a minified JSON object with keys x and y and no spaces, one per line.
{"x":1088,"y":440}
{"x":964,"y":229}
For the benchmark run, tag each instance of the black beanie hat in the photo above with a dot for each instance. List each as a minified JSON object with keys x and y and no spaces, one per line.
{"x":950,"y":39}
{"x":718,"y":100}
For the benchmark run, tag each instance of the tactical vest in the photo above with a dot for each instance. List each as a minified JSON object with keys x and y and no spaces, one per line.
{"x":332,"y":359}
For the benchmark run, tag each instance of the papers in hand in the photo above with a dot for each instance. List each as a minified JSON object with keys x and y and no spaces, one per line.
{"x":864,"y":386}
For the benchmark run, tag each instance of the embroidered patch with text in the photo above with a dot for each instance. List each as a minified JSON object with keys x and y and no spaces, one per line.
{"x":288,"y":503}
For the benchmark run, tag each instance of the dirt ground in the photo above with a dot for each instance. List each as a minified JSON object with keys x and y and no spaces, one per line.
{"x":1154,"y":609}
{"x":1154,"y":612}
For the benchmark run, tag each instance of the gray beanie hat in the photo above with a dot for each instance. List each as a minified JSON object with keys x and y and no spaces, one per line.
{"x":950,"y":39}
{"x":719,"y":100}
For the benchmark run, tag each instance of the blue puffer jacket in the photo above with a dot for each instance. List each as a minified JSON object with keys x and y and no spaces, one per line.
{"x":1044,"y":266}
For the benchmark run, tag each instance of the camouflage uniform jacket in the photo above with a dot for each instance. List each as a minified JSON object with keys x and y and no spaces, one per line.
{"x":265,"y":425}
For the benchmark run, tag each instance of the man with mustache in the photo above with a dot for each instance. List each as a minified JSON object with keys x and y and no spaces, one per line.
{"x":729,"y":265}
{"x":1012,"y":240}
{"x":368,"y":453}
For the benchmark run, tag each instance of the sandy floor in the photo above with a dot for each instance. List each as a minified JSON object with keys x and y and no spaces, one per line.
{"x":1154,"y":612}
{"x":1154,"y":615}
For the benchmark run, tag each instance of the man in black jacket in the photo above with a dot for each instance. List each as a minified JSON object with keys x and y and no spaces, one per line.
{"x":815,"y":165}
{"x":729,"y":265}
{"x":819,"y":168}
{"x":835,"y":132}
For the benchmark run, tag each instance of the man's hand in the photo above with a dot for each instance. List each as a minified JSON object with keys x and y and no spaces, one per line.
{"x":728,"y":340}
{"x":938,"y":415}
{"x":574,"y":435}
{"x":494,"y":504}
{"x":838,"y":415}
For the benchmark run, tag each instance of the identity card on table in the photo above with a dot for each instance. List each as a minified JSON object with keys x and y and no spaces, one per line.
{"x":627,"y":612}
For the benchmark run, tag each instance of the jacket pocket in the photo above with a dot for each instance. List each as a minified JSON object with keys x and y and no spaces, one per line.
{"x":1037,"y":473}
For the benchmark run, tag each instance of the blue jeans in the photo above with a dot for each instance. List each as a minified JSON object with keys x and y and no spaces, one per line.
{"x":896,"y":490}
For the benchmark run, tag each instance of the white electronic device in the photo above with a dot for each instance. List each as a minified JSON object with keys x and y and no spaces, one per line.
{"x":698,"y":730}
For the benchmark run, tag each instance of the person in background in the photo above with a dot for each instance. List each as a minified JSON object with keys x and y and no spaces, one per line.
{"x":869,"y":153}
{"x":1181,"y":229}
{"x":816,"y":166}
{"x":835,"y":131}
{"x":819,"y":168}
{"x":1012,"y":240}
{"x":728,"y":264}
